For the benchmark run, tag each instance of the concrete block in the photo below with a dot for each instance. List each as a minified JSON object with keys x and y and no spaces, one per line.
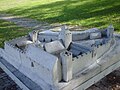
{"x":95,"y":35}
{"x":24,"y":43}
{"x":54,"y":46}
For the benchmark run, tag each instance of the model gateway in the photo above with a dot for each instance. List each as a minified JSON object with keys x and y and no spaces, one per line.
{"x":64,"y":60}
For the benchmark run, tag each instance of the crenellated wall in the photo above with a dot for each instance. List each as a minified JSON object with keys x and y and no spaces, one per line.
{"x":13,"y":53}
{"x":80,"y":36}
{"x":17,"y":40}
{"x":45,"y":71}
{"x":84,"y":60}
{"x":76,"y":36}
{"x":84,"y":35}
{"x":102,"y":49}
{"x":47,"y":37}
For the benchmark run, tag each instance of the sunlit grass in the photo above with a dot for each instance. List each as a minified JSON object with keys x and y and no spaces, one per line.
{"x":9,"y":31}
{"x":86,"y":13}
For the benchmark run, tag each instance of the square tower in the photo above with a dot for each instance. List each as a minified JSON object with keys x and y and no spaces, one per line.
{"x":66,"y":36}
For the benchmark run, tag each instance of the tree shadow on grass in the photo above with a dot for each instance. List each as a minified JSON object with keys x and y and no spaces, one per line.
{"x":75,"y":12}
{"x":10,"y":31}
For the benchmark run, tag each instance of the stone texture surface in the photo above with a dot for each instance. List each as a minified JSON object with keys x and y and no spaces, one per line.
{"x":95,"y":35}
{"x":54,"y":46}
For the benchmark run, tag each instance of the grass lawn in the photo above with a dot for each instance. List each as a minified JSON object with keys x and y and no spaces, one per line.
{"x":9,"y":31}
{"x":86,"y":13}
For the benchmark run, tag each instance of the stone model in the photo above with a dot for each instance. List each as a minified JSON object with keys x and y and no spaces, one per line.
{"x":65,"y":60}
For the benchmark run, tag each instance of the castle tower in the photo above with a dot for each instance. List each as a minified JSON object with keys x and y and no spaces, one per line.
{"x":66,"y":58}
{"x":33,"y":35}
{"x":66,"y":36}
{"x":110,"y":31}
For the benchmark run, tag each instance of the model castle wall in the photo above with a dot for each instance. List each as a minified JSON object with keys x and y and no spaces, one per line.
{"x":47,"y":69}
{"x":82,"y":61}
{"x":76,"y":36}
{"x":31,"y":65}
{"x":43,"y":37}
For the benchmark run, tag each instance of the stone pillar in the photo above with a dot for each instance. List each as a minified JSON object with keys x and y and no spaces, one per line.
{"x":66,"y":58}
{"x":110,"y":31}
{"x":66,"y":36}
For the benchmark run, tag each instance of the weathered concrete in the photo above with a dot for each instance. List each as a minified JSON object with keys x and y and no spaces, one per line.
{"x":32,"y":64}
{"x":67,"y":66}
{"x":66,"y":36}
{"x":53,"y":65}
{"x":54,"y":47}
{"x":26,"y":83}
{"x":95,"y":35}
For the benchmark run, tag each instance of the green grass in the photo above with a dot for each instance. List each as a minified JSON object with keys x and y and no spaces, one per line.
{"x":86,"y":13}
{"x":9,"y":31}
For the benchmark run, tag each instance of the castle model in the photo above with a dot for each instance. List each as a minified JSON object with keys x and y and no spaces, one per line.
{"x":64,"y":60}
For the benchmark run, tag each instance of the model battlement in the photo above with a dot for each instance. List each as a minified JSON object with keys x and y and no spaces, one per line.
{"x":50,"y":58}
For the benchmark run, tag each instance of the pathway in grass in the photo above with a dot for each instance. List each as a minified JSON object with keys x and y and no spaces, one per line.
{"x":34,"y":24}
{"x":24,"y":22}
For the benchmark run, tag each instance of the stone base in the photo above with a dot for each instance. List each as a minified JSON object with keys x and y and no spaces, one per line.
{"x":27,"y":84}
{"x":24,"y":82}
